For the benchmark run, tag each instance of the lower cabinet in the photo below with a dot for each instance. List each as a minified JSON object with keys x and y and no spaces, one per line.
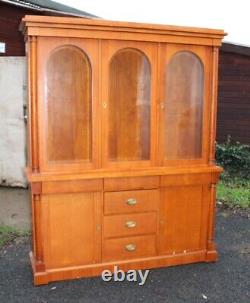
{"x":144,"y":224}
{"x":183,"y":219}
{"x":72,"y":231}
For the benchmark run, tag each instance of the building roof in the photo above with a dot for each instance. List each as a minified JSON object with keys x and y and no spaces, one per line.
{"x":49,"y":7}
{"x":235,"y":48}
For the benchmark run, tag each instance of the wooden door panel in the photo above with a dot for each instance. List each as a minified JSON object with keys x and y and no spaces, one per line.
{"x":72,"y":228}
{"x":183,"y":215}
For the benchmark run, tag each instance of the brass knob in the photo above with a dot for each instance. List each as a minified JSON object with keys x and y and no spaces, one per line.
{"x":130,"y":247}
{"x":130,"y":224}
{"x":131,"y":201}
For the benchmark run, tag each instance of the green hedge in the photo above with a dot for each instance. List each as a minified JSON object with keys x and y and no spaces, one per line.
{"x":234,"y":158}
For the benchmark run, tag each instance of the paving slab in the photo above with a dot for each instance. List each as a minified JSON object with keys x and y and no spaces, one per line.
{"x":15,"y":207}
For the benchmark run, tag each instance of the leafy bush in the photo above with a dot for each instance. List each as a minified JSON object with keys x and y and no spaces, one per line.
{"x":234,"y":158}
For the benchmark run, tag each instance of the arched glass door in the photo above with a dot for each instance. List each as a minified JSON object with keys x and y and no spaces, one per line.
{"x":68,"y":102}
{"x":129,"y":106}
{"x":183,"y":105}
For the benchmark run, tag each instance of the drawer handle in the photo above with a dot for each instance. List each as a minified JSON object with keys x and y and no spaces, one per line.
{"x":130,"y":247}
{"x":131,"y":201}
{"x":130,"y":224}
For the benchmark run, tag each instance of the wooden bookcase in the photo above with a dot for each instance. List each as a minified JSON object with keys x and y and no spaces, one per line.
{"x":122,"y":122}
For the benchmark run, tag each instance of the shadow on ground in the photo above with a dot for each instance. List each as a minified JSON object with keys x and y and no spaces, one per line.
{"x":224,"y":281}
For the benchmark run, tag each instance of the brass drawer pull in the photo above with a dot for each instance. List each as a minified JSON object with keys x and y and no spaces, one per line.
{"x":130,"y":247}
{"x":130,"y":224}
{"x":131,"y":201}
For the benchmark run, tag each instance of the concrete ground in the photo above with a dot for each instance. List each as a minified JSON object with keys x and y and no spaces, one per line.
{"x":227,"y":281}
{"x":15,"y":207}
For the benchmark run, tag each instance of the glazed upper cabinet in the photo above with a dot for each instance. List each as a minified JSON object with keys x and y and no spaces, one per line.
{"x":116,"y":105}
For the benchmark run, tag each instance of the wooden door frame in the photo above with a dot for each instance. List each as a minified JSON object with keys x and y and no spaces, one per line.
{"x":45,"y":47}
{"x":166,"y":52}
{"x":108,"y":49}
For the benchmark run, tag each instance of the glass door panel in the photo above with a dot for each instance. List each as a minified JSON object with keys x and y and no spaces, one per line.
{"x":68,"y":99}
{"x":184,"y":107}
{"x":68,"y":106}
{"x":129,"y":106}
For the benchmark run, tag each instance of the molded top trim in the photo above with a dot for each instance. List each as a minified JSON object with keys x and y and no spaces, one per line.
{"x":116,"y":26}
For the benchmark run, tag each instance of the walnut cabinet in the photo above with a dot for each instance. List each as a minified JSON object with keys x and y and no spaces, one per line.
{"x":122,"y":122}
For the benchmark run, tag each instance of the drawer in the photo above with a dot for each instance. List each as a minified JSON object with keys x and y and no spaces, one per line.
{"x":72,"y":186}
{"x":128,"y":248}
{"x":131,"y":201}
{"x":130,"y":183}
{"x":185,"y":179}
{"x":129,"y":224}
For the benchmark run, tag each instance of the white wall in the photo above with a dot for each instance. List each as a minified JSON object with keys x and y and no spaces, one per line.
{"x":12,"y":128}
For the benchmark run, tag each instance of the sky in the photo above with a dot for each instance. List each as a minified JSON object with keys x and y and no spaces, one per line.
{"x":231,"y":16}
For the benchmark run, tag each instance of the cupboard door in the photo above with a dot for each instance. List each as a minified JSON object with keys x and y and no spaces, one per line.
{"x":183,"y":219}
{"x":67,"y":98}
{"x":128,"y":95}
{"x":71,"y":229}
{"x":184,"y":104}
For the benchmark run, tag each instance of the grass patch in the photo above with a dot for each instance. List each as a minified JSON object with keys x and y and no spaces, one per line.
{"x":9,"y":234}
{"x":234,"y":188}
{"x":234,"y":192}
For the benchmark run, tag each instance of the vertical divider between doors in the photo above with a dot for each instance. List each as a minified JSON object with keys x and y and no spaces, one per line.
{"x":99,"y":107}
{"x":160,"y":71}
{"x":158,"y":142}
{"x":156,"y":101}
